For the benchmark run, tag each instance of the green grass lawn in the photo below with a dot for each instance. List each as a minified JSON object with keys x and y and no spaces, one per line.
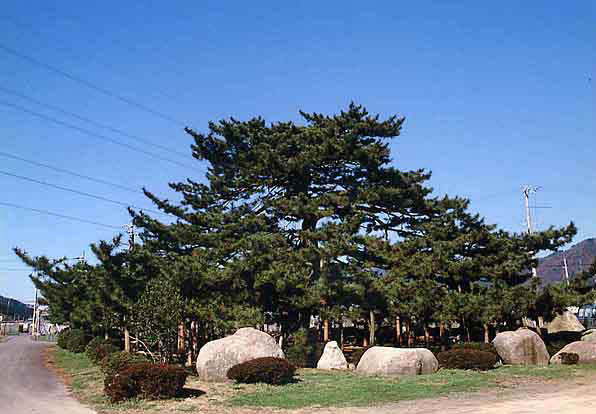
{"x":312,"y":388}
{"x":337,"y":389}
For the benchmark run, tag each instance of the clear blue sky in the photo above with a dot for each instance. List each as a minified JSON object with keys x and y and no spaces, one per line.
{"x":496,"y":95}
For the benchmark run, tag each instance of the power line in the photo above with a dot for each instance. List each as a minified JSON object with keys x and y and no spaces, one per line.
{"x":64,"y":216}
{"x":91,"y":85}
{"x":89,"y":121}
{"x":83,"y":193}
{"x":93,"y":134}
{"x":23,"y":27}
{"x":74,"y":174}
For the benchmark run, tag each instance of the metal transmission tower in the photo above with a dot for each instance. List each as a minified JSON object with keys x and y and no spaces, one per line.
{"x":527,"y":190}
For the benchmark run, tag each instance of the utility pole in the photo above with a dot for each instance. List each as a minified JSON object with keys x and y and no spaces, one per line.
{"x":527,"y":190}
{"x":130,"y":228}
{"x":34,"y":327}
{"x":566,"y":269}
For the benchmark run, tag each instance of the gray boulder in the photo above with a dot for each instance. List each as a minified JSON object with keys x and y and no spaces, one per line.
{"x":585,"y":350}
{"x":380,"y":360}
{"x":521,"y":347}
{"x":216,"y":357}
{"x":566,"y":322}
{"x":589,"y":335}
{"x":332,"y":358}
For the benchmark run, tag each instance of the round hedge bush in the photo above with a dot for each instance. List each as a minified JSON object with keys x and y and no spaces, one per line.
{"x":117,"y":361}
{"x":145,"y":380}
{"x":269,"y":370}
{"x":463,"y":358}
{"x":569,"y":358}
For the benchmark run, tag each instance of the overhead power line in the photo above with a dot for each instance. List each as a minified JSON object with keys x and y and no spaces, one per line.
{"x":82,"y":193}
{"x":93,"y":134}
{"x":90,"y":85}
{"x":74,"y":174}
{"x":90,"y":121}
{"x":64,"y":216}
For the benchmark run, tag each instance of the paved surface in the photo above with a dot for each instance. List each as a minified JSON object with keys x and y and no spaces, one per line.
{"x":27,"y":386}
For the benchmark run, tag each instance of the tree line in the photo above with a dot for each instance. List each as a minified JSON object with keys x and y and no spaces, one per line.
{"x":300,"y":220}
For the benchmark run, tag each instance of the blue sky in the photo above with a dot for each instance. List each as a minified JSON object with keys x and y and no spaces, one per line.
{"x":496,"y":95}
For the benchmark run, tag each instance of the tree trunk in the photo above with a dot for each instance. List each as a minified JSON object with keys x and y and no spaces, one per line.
{"x":372,"y":328}
{"x":326,"y":330}
{"x":426,"y":335}
{"x":397,"y":331}
{"x":126,"y":340}
{"x":486,"y":333}
{"x":181,"y":338}
{"x":442,"y":336}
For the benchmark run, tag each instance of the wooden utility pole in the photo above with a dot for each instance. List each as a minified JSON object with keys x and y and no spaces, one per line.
{"x":566,"y":269}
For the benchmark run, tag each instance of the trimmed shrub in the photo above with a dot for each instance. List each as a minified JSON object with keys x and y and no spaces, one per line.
{"x":462,"y":358}
{"x":117,"y":361}
{"x":76,"y":341}
{"x":275,"y":371}
{"x":99,"y":348}
{"x":62,"y":339}
{"x":145,"y":380}
{"x":479,"y":346}
{"x":569,"y":358}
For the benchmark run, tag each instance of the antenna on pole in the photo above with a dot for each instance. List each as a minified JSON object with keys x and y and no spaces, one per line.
{"x":130,"y":229}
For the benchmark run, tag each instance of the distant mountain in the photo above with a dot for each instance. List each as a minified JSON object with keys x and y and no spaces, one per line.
{"x":579,"y":257}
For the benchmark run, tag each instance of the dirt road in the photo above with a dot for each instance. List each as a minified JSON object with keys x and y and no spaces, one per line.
{"x":27,"y":386}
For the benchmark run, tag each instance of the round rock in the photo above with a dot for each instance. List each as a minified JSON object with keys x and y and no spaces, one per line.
{"x":380,"y":360}
{"x":521,"y":347}
{"x":585,"y":350}
{"x":217,"y":357}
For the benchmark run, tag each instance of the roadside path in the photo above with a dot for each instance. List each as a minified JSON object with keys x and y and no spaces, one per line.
{"x":27,"y":386}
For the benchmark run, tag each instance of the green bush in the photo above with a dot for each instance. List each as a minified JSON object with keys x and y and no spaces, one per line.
{"x":145,"y":380}
{"x":62,"y":340}
{"x":275,"y":371}
{"x":465,"y":358}
{"x":99,"y":348}
{"x":569,"y":358}
{"x":117,"y":361}
{"x":305,"y":351}
{"x":479,"y":346}
{"x":76,"y":340}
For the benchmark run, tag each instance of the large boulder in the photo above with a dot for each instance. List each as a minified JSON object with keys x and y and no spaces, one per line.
{"x":381,"y":360}
{"x":585,"y":350}
{"x":521,"y":347}
{"x":216,"y":357}
{"x":566,"y":322}
{"x":332,"y":358}
{"x":589,"y":335}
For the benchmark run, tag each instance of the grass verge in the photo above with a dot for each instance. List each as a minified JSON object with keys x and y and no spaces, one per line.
{"x":313,"y":388}
{"x":343,"y":389}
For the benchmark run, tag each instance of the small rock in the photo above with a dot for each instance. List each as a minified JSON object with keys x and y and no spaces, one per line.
{"x":332,"y":358}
